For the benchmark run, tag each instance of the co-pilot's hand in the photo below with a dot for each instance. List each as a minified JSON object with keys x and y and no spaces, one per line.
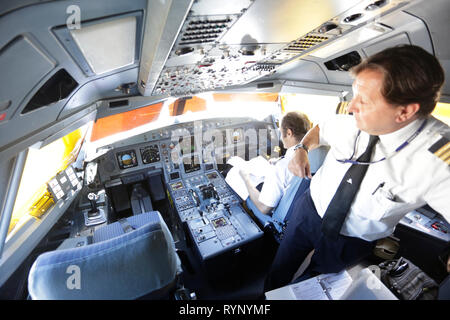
{"x":299,"y":164}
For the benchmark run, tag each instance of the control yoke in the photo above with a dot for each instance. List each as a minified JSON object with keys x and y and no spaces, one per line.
{"x":93,"y":200}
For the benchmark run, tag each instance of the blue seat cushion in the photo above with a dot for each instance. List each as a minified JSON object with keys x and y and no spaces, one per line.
{"x":126,"y":266}
{"x":115,"y":229}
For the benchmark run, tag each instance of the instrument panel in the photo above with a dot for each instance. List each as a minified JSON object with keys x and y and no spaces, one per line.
{"x":201,"y":198}
{"x":127,"y":159}
{"x":212,"y":212}
{"x":429,"y":222}
{"x":150,"y":154}
{"x":182,"y":149}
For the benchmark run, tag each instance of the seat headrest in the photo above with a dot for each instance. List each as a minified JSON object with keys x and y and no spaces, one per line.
{"x":126,"y":266}
{"x":316,"y":157}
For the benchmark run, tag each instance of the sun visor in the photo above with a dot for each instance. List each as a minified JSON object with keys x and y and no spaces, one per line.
{"x":104,"y":45}
{"x":107,"y":46}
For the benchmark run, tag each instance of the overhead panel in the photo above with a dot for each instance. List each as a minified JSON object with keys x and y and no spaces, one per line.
{"x":163,"y":22}
{"x":223,"y":44}
{"x":194,"y":63}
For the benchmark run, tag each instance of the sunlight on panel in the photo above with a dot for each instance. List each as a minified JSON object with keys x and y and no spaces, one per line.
{"x":442,"y":112}
{"x":41,"y":165}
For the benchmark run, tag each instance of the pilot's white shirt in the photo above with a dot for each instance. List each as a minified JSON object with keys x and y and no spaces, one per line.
{"x":277,"y":181}
{"x":411,"y":178}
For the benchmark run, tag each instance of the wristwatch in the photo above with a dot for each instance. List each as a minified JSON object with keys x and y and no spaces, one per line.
{"x":301,"y":145}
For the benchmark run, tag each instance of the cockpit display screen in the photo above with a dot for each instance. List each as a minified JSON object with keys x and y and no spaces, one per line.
{"x":211,"y":176}
{"x":191,"y":164}
{"x":177,"y":185}
{"x":150,"y":154}
{"x":127,"y":159}
{"x":220,"y":222}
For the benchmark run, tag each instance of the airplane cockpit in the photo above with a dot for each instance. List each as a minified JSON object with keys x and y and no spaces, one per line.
{"x":118,"y":121}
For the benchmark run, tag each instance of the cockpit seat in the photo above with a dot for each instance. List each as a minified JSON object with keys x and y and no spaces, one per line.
{"x":128,"y":259}
{"x":277,"y":221}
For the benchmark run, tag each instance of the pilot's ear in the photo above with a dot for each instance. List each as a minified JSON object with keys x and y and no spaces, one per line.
{"x":406,"y":112}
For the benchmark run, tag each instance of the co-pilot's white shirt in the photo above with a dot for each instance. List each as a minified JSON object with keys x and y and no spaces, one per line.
{"x":413,"y":177}
{"x":277,"y":181}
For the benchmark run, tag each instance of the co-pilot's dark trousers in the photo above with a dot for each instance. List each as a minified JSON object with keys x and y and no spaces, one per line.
{"x":303,"y":234}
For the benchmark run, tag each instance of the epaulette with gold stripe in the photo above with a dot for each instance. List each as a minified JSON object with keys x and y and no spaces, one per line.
{"x":441,"y":149}
{"x":342,"y":107}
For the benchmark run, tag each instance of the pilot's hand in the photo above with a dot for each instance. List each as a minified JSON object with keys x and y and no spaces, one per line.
{"x":299,"y":164}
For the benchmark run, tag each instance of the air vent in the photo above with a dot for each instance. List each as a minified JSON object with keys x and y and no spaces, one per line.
{"x":345,"y":62}
{"x":305,"y":43}
{"x":57,"y":88}
{"x":204,"y":31}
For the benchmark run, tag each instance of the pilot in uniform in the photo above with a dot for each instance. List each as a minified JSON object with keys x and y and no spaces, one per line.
{"x":275,"y":185}
{"x":407,"y":179}
{"x":294,"y":126}
{"x":408,"y":168}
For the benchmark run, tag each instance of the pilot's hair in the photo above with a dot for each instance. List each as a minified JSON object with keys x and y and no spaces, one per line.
{"x":296,"y":121}
{"x":411,"y":75}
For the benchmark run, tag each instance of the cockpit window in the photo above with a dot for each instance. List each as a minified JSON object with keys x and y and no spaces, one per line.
{"x":316,"y":107}
{"x":246,"y":97}
{"x":442,"y":112}
{"x":182,"y":106}
{"x":207,"y":105}
{"x":41,"y":165}
{"x":204,"y":106}
{"x":125,"y":121}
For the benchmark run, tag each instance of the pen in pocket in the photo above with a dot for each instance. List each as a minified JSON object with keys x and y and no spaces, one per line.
{"x":381,"y":185}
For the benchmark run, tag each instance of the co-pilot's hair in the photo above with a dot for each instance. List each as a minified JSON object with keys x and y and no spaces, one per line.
{"x":296,"y":121}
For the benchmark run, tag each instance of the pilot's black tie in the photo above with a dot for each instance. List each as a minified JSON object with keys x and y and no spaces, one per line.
{"x":340,"y":204}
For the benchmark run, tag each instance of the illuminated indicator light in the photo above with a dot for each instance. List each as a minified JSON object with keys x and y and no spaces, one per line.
{"x":2,"y":116}
{"x":46,"y":205}
{"x":41,"y":206}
